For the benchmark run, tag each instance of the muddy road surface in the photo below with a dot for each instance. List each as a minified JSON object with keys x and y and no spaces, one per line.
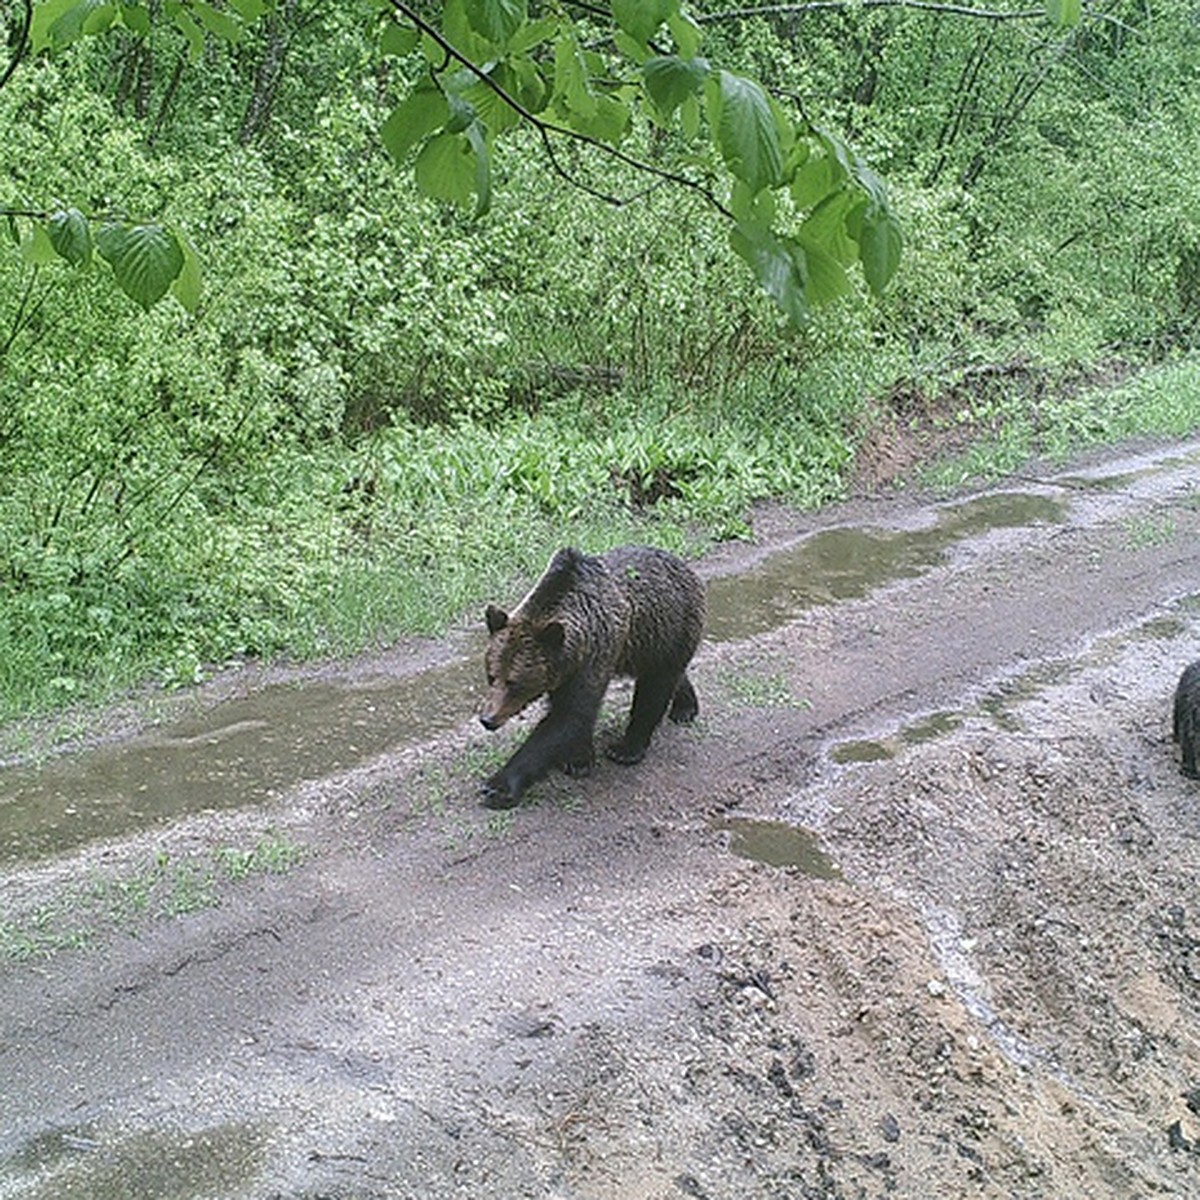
{"x":912,"y":911}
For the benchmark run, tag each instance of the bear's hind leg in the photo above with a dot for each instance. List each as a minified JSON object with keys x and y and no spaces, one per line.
{"x":1188,"y":743}
{"x":651,"y":695}
{"x":684,"y":707}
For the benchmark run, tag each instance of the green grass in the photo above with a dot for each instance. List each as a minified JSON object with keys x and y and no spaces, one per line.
{"x":166,"y":887}
{"x":1146,"y":532}
{"x":1163,"y":401}
{"x":755,"y":685}
{"x":412,"y":530}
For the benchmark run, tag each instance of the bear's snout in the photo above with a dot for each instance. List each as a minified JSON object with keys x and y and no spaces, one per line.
{"x":490,"y":721}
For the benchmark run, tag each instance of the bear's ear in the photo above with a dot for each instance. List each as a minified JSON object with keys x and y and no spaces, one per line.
{"x":496,"y":618}
{"x":552,"y":635}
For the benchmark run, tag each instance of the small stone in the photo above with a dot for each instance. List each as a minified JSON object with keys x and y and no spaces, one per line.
{"x":936,"y":987}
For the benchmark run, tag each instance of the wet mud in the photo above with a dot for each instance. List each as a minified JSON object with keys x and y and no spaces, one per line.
{"x":252,"y":749}
{"x":246,"y":751}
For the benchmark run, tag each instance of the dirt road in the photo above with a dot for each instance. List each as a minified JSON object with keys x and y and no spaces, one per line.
{"x":913,"y":911}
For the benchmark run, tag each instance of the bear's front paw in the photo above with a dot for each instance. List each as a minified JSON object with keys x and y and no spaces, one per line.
{"x":497,"y":792}
{"x":625,"y":754}
{"x":580,"y":768}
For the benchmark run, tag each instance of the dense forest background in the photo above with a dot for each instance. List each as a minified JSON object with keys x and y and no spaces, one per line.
{"x":382,"y":408}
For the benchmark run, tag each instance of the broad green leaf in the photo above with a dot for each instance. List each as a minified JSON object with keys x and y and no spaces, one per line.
{"x":1066,"y":14}
{"x":445,"y":169}
{"x":880,"y":246}
{"x":145,"y":259}
{"x":189,"y":282}
{"x":398,"y":39}
{"x":461,"y":32}
{"x":491,"y":109}
{"x":495,"y":20}
{"x":870,"y":183}
{"x":534,"y":33}
{"x":71,"y":236}
{"x":461,"y":113}
{"x":99,"y":18}
{"x":36,"y":247}
{"x":477,"y":136}
{"x":778,"y":265}
{"x":249,"y":10}
{"x":641,"y":18}
{"x":419,"y":114}
{"x":193,"y":34}
{"x":570,"y":77}
{"x":686,"y":33}
{"x":825,"y":278}
{"x":750,"y":207}
{"x":670,"y":80}
{"x":56,"y":24}
{"x":217,"y":23}
{"x":826,"y":227}
{"x":608,"y":122}
{"x":531,"y":86}
{"x":136,"y":18}
{"x":815,"y":180}
{"x":745,"y":129}
{"x":689,"y":117}
{"x":631,"y":48}
{"x":46,"y":17}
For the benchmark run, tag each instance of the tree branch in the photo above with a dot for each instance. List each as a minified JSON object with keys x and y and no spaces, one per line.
{"x":956,"y":10}
{"x":548,"y":129}
{"x":20,"y":45}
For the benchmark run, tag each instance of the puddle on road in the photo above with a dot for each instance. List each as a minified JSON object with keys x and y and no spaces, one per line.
{"x":999,"y":705}
{"x":1120,"y":481}
{"x":926,"y":729}
{"x":78,"y":1165}
{"x":238,"y":754}
{"x":1100,"y":483}
{"x":844,"y":564}
{"x":778,"y":845}
{"x":245,"y":751}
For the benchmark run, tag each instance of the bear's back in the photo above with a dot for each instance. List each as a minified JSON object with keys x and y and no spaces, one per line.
{"x":666,"y":607}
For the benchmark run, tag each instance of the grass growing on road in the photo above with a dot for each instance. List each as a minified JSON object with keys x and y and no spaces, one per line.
{"x":168,"y":886}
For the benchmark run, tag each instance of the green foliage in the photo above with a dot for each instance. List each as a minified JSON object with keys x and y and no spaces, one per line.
{"x":167,"y":886}
{"x":379,"y":409}
{"x":1162,"y":402}
{"x":491,"y":49}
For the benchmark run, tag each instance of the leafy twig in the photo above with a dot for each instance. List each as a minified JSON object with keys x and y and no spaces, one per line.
{"x":548,"y":129}
{"x":20,"y":43}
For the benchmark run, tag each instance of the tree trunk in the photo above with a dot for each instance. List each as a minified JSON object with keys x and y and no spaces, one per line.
{"x":268,"y":75}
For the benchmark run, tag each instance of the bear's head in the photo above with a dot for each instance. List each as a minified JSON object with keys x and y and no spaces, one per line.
{"x":524,"y":660}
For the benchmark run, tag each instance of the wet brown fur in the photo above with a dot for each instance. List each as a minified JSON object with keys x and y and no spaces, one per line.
{"x":1186,"y":719}
{"x":635,"y":611}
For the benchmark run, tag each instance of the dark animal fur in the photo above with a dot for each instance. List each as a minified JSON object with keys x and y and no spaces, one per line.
{"x":634,"y":611}
{"x":1187,"y":719}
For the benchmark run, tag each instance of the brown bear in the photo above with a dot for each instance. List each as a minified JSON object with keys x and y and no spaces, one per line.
{"x":634,"y":611}
{"x":1187,"y":718}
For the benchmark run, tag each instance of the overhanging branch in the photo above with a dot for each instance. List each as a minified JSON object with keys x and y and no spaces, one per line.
{"x":548,"y":130}
{"x":20,"y":43}
{"x":930,"y":6}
